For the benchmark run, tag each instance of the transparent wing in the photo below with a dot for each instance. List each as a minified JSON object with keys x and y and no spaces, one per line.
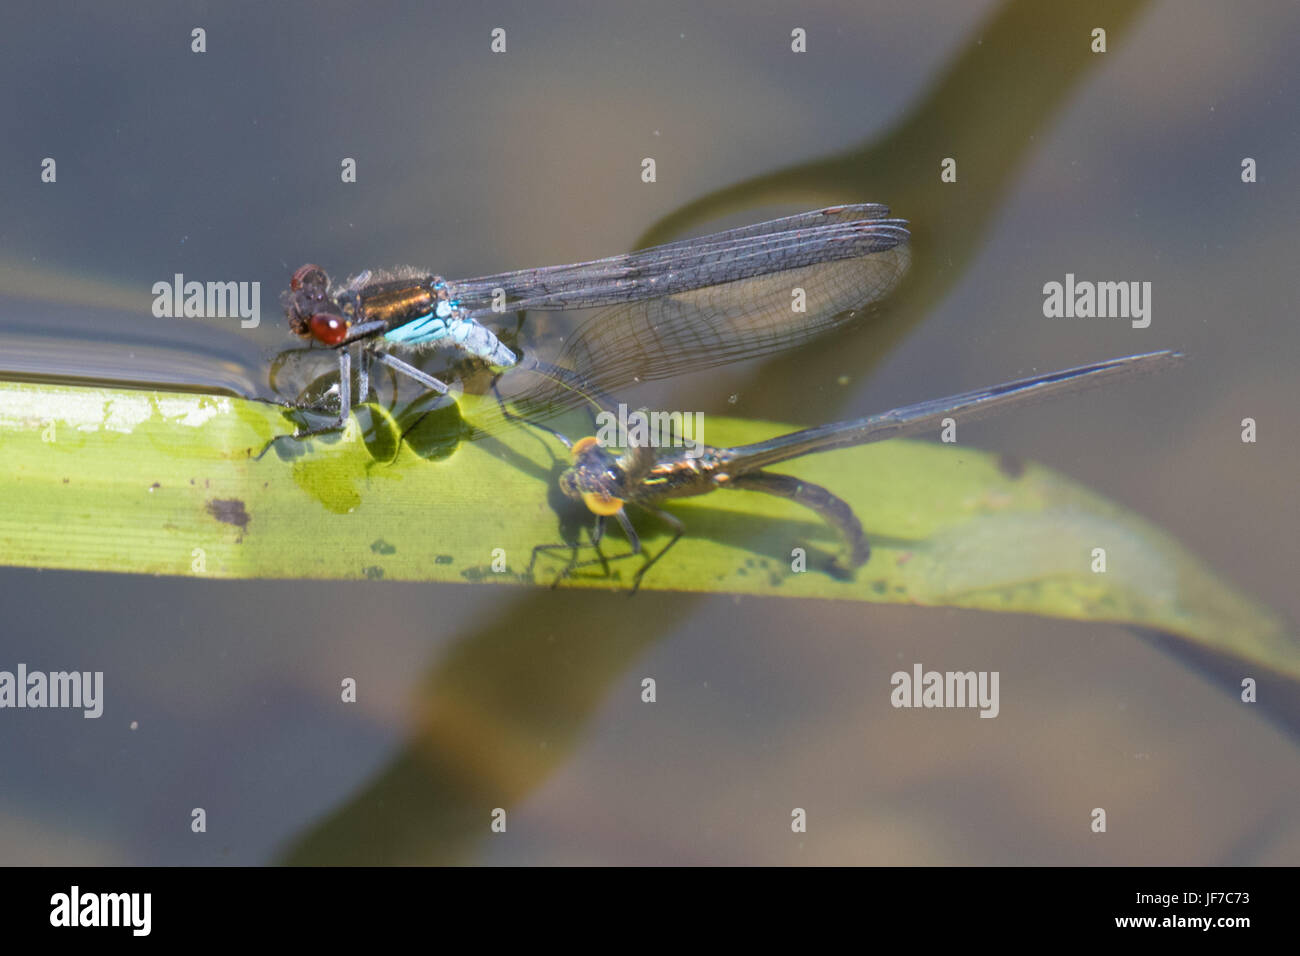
{"x":840,"y":232}
{"x":703,"y":328}
{"x":925,"y":416}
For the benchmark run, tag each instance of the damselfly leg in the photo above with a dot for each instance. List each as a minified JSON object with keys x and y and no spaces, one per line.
{"x":343,"y":390}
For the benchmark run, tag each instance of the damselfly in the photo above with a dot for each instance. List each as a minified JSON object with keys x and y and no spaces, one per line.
{"x":607,"y":482}
{"x":687,"y":305}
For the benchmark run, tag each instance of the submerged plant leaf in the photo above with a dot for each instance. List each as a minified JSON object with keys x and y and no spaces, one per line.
{"x":167,"y":483}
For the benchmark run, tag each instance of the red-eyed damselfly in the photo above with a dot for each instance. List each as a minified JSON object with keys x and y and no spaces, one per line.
{"x":670,"y":309}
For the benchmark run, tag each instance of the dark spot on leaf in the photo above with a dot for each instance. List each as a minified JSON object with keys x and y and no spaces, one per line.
{"x":229,"y":511}
{"x":443,"y":559}
{"x":374,"y":572}
{"x":154,"y":485}
{"x":380,"y":546}
{"x":1011,"y":465}
{"x":66,"y":480}
{"x":839,"y":573}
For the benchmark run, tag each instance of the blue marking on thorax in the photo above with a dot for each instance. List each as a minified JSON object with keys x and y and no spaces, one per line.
{"x":427,"y":328}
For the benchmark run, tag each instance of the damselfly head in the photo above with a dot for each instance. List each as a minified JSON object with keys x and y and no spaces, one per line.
{"x":594,"y":478}
{"x":311,"y":312}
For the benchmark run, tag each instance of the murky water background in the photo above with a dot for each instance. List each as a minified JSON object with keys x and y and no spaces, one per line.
{"x":226,"y":166}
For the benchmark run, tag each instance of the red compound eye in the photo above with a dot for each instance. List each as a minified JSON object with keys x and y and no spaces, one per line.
{"x":327,"y":329}
{"x":308,"y":272}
